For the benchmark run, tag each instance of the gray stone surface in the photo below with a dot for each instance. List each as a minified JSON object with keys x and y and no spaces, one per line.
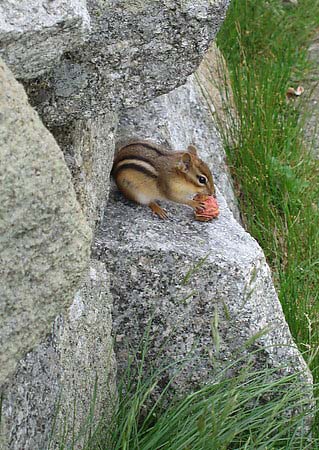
{"x":34,"y":34}
{"x":88,"y":147}
{"x":136,"y":51}
{"x":206,"y":287}
{"x":187,"y":115}
{"x":44,"y":238}
{"x":212,"y":78}
{"x":60,"y":373}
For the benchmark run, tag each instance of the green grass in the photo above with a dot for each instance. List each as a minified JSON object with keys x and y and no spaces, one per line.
{"x":247,"y":411}
{"x":241,"y":408}
{"x":252,"y":410}
{"x":276,"y":176}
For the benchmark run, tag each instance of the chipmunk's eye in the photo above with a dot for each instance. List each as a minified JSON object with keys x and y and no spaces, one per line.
{"x":202,"y":180}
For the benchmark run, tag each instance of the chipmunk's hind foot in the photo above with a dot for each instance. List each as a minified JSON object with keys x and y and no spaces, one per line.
{"x":160,"y":212}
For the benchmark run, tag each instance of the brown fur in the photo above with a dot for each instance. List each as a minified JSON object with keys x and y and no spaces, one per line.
{"x":146,"y":172}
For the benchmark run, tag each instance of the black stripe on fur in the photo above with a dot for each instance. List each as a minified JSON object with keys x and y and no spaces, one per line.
{"x":136,"y":167}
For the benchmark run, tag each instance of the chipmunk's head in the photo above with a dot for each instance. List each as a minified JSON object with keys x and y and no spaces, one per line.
{"x":196,"y":172}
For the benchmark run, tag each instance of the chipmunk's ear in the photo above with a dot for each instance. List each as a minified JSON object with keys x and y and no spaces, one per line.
{"x":192,"y":149}
{"x":185,"y":162}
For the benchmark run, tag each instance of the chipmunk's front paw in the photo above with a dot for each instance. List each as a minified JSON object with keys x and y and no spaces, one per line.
{"x":210,"y":210}
{"x":200,"y":207}
{"x":196,"y":204}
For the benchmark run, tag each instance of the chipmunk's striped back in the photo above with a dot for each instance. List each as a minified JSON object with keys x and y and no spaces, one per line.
{"x":146,"y":172}
{"x":139,"y":156}
{"x":135,"y":172}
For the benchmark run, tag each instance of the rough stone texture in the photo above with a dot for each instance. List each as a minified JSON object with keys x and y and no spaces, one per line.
{"x":62,"y":371}
{"x":206,"y":287}
{"x":213,"y":79}
{"x":311,"y":98}
{"x":184,"y":116}
{"x":136,"y":51}
{"x":34,"y":34}
{"x":88,"y":147}
{"x":44,"y":238}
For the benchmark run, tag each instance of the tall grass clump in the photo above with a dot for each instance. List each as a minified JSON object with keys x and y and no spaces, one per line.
{"x":247,"y":411}
{"x":254,"y":409}
{"x":265,"y":46}
{"x":241,"y":407}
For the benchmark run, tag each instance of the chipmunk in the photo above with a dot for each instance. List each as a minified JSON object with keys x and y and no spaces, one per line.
{"x":145,"y":172}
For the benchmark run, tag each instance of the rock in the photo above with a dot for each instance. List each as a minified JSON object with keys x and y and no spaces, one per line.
{"x":136,"y":51}
{"x":64,"y":372}
{"x":88,"y":147}
{"x":213,"y":81}
{"x":188,"y":115}
{"x":35,"y":34}
{"x":44,"y":238}
{"x":205,"y":287}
